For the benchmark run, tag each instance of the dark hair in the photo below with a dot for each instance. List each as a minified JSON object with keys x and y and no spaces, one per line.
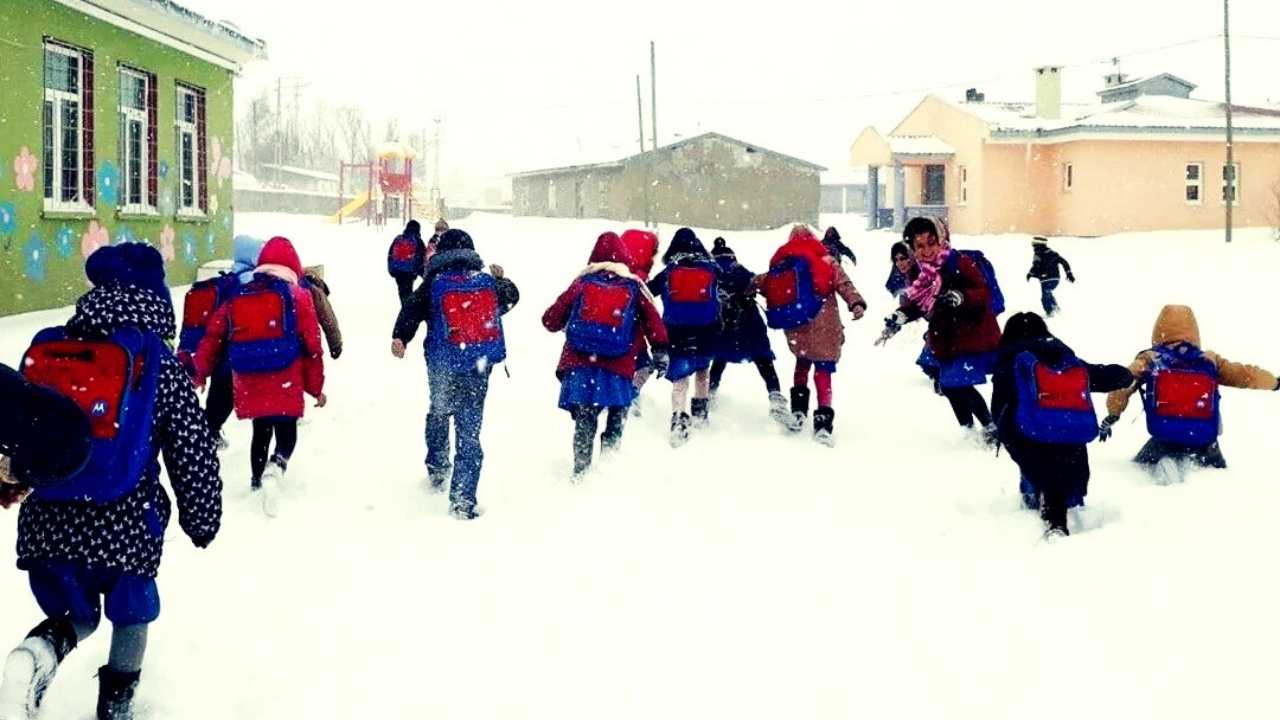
{"x":1022,"y":327}
{"x":920,"y":225}
{"x":900,"y":249}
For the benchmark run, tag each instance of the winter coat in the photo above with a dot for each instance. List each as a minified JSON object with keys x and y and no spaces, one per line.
{"x":276,"y":393}
{"x":970,"y":328}
{"x":419,"y":256}
{"x":1045,"y":263}
{"x":822,"y":339}
{"x":1177,"y":324}
{"x":685,"y":341}
{"x":128,"y":533}
{"x":44,"y":434}
{"x":328,"y":319}
{"x":743,"y":335}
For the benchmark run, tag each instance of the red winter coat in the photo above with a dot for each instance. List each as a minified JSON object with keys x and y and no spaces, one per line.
{"x":970,"y":328}
{"x":803,"y":243}
{"x":279,"y":393}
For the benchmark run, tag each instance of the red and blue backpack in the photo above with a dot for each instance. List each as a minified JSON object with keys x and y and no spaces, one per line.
{"x":989,"y":274}
{"x":405,"y":256}
{"x":691,"y":296}
{"x":1054,"y":406}
{"x":465,"y":332}
{"x":198,"y":306}
{"x":603,"y":319}
{"x":1182,"y":397}
{"x":263,"y":327}
{"x":113,"y":380}
{"x":790,"y":294}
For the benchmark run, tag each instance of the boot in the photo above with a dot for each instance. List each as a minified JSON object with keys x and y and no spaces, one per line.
{"x":823,"y":421}
{"x":778,"y":409}
{"x":701,"y":412}
{"x":27,"y":673}
{"x":799,"y":408}
{"x":679,"y":429}
{"x":115,"y":693}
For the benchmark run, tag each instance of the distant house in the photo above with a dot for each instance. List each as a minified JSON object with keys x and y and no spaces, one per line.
{"x":844,"y":192}
{"x":117,"y":124}
{"x":302,"y":179}
{"x":1145,"y":157}
{"x":710,"y":180}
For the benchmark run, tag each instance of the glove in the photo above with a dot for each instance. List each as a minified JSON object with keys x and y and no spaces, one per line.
{"x":951,"y":298}
{"x":1104,"y":429}
{"x":335,"y":352}
{"x":895,"y":321}
{"x":661,"y":363}
{"x":201,"y":541}
{"x":1071,"y":277}
{"x":1028,"y":277}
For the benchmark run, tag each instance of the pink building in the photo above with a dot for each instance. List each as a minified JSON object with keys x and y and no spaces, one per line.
{"x":1145,"y":157}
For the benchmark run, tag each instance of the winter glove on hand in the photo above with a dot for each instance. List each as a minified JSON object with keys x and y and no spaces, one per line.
{"x":1028,"y":277}
{"x":951,"y":298}
{"x":892,"y":325}
{"x":661,"y":363}
{"x":1071,"y":277}
{"x":201,"y":541}
{"x":335,"y":353}
{"x":1104,"y":430}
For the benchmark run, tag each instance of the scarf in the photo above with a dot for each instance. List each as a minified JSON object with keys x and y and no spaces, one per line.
{"x":924,"y":290}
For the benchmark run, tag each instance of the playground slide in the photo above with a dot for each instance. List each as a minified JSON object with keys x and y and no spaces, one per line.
{"x":350,"y":208}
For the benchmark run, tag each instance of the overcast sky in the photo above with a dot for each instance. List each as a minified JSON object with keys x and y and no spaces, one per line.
{"x":522,"y":85}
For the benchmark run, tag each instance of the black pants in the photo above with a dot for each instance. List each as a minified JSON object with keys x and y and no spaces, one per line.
{"x":586,"y":420}
{"x":404,"y":285}
{"x":1060,"y":473}
{"x":285,"y":430}
{"x":763,"y":366}
{"x":1209,"y":456}
{"x":220,"y":401}
{"x":967,"y":404}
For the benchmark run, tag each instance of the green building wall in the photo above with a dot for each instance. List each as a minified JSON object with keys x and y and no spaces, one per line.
{"x":42,"y":254}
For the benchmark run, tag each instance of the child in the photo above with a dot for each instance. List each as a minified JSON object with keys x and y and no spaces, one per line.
{"x":641,"y":247}
{"x":836,"y":248}
{"x":325,"y":314}
{"x":743,"y":337}
{"x":607,"y":315}
{"x":801,"y":289}
{"x":270,"y":337}
{"x":1045,"y":418}
{"x":901,"y":275}
{"x":406,"y":258}
{"x":691,"y":313}
{"x":1044,"y":267}
{"x":462,"y":307}
{"x":1180,"y":395}
{"x":93,"y":541}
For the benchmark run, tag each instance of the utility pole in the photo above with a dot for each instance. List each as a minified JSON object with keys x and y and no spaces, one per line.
{"x":435,"y":184}
{"x":279,"y":122}
{"x":653,"y":87}
{"x":1229,"y":174}
{"x":640,"y":112}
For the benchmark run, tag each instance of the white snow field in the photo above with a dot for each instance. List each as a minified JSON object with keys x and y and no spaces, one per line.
{"x":749,"y":574}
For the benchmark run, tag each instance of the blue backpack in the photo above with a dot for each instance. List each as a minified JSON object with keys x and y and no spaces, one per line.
{"x":791,"y":300}
{"x":692,"y":296}
{"x":988,"y":272}
{"x":1182,"y":397}
{"x":603,"y":319}
{"x":113,"y":380}
{"x":198,"y":306}
{"x":263,"y":333}
{"x":1054,"y":406}
{"x":465,"y":333}
{"x":405,"y":256}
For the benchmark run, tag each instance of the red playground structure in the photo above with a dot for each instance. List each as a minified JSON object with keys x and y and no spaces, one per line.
{"x":389,"y":186}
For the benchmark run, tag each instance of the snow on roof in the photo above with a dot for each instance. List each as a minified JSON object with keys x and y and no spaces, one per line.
{"x":1145,"y":114}
{"x":919,"y":145}
{"x":1139,"y":81}
{"x":169,"y":23}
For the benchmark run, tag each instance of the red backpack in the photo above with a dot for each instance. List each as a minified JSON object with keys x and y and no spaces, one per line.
{"x":263,"y":327}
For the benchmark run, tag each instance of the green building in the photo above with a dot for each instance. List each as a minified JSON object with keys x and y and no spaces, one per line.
{"x":116,"y":124}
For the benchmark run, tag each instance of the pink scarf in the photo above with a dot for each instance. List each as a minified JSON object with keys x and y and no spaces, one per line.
{"x":923,"y":292}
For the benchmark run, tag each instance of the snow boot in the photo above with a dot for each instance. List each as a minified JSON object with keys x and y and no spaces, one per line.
{"x":115,"y":693}
{"x":463,"y":510}
{"x":1053,"y":533}
{"x":679,"y":429}
{"x":701,"y":412}
{"x":437,"y":478}
{"x":799,"y":408}
{"x":1167,"y":471}
{"x":823,"y":424}
{"x":778,"y":409}
{"x":30,"y":668}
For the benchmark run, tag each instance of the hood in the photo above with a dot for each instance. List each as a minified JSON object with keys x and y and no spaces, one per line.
{"x":413,"y":229}
{"x":1176,"y":324}
{"x":832,"y":235}
{"x":609,"y":249}
{"x":926,"y":223}
{"x":902,"y":247}
{"x":279,"y":251}
{"x":245,"y":252}
{"x":108,"y":308}
{"x":642,"y":248}
{"x":461,"y":259}
{"x":800,"y":242}
{"x":685,"y":243}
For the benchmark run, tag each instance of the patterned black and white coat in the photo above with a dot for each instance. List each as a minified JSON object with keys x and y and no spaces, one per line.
{"x":128,"y":533}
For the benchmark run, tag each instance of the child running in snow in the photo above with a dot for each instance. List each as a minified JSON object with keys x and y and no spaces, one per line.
{"x":1180,"y":382}
{"x":1040,"y":398}
{"x":641,"y":247}
{"x":691,"y":313}
{"x":92,"y":542}
{"x":1044,"y":267}
{"x":270,"y":336}
{"x":803,"y":288}
{"x":607,"y":315}
{"x":406,"y":258}
{"x":743,"y":336}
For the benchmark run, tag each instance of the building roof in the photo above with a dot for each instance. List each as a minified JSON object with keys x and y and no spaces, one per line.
{"x":1136,"y":82}
{"x":301,"y":172}
{"x":929,"y":145}
{"x":611,"y":165}
{"x":616,"y":164}
{"x":171,"y":24}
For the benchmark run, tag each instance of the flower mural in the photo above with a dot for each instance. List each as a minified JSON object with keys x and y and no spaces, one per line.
{"x":65,"y":241}
{"x":167,"y":205}
{"x":24,"y":170}
{"x":8,"y":223}
{"x":108,"y":182}
{"x":162,"y":169}
{"x":219,"y":166}
{"x":93,"y":238}
{"x":189,"y":247}
{"x":34,"y":257}
{"x":166,"y":243}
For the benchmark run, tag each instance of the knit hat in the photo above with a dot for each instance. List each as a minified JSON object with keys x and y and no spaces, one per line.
{"x":1037,"y":240}
{"x":132,"y":263}
{"x":831,"y":234}
{"x":454,"y":239}
{"x":721,"y":249}
{"x":279,"y":251}
{"x":413,"y":229}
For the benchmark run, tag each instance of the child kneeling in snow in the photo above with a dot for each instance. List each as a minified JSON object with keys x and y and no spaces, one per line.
{"x":607,"y":315}
{"x":1180,"y":382}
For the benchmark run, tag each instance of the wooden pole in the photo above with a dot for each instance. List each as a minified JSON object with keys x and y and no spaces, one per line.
{"x":1229,"y":172}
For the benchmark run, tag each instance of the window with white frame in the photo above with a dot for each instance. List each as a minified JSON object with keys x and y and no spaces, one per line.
{"x":190,"y":106}
{"x":1195,"y":183}
{"x":64,"y":118}
{"x":1231,"y":183}
{"x":135,"y":142}
{"x":1068,"y":177}
{"x":963,"y":184}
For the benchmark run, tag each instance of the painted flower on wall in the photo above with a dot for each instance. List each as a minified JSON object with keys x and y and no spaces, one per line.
{"x":34,"y":257}
{"x":189,"y":247}
{"x":24,"y":170}
{"x":167,"y":205}
{"x":166,"y":243}
{"x":8,"y":222}
{"x":65,"y":241}
{"x":162,"y":169}
{"x":93,"y":238}
{"x":108,"y":182}
{"x":125,"y":234}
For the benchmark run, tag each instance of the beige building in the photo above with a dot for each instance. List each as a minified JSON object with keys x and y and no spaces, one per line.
{"x":1145,"y":157}
{"x":711,"y":181}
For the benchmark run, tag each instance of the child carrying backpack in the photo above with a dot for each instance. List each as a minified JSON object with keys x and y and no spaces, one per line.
{"x":1044,"y":267}
{"x":743,"y":336}
{"x":801,"y":291}
{"x":641,"y":248}
{"x":689,"y":290}
{"x":406,"y":258}
{"x":269,"y":335}
{"x":1045,"y":417}
{"x":607,"y":315}
{"x":1179,"y":383}
{"x":92,"y":541}
{"x":462,"y":306}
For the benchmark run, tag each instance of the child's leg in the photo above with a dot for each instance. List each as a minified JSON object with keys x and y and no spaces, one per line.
{"x":768,"y":373}
{"x":286,"y":430}
{"x":220,"y":402}
{"x":439,"y":410}
{"x":615,"y":420}
{"x":717,"y":372}
{"x":702,"y":384}
{"x":260,"y":447}
{"x":822,"y":382}
{"x":679,"y":395}
{"x":801,"y":377}
{"x":128,"y":645}
{"x":584,"y":436}
{"x":700,"y":407}
{"x":470,"y":393}
{"x":641,"y":377}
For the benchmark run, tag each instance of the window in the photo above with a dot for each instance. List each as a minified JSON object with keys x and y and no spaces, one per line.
{"x":1195,"y":183}
{"x":192,"y":168}
{"x":137,"y":148}
{"x":963,"y":184}
{"x":1231,"y":183}
{"x":67,"y":128}
{"x":1068,"y":177}
{"x":935,"y":185}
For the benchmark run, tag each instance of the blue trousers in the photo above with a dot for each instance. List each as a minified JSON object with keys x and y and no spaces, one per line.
{"x":460,"y":397}
{"x":1047,"y":300}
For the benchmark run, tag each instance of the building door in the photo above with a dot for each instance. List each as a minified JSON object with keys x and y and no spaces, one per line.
{"x":935,"y":185}
{"x":577,"y":198}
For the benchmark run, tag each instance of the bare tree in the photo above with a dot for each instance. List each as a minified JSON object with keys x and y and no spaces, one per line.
{"x":355,"y":132}
{"x":254,"y":133}
{"x":393,"y":130}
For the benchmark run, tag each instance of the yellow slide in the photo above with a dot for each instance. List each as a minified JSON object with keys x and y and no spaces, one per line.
{"x":350,"y":208}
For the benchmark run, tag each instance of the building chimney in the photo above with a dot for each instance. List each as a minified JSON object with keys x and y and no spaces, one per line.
{"x":1049,"y":92}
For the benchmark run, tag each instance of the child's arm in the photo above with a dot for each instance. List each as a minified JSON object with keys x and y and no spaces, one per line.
{"x":209,"y":351}
{"x":1118,"y":401}
{"x":190,"y":455}
{"x":557,"y":316}
{"x":312,"y":351}
{"x":846,"y":290}
{"x":413,"y":312}
{"x":1240,"y":375}
{"x":1066,"y":267}
{"x":1109,"y":378}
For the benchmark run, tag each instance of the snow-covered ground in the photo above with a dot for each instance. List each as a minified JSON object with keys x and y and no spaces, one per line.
{"x":749,"y":574}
